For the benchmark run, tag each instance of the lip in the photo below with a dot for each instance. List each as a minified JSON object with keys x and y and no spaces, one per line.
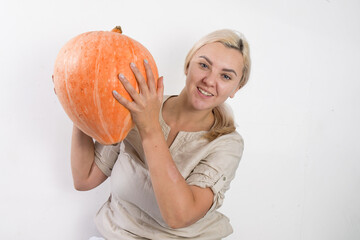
{"x":202,"y":94}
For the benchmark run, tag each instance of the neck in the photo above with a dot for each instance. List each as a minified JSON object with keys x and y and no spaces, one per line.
{"x":178,"y":113}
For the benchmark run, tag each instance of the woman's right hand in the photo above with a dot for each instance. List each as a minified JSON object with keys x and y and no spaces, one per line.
{"x":52,"y":76}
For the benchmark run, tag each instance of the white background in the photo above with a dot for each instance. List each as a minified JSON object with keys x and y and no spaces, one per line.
{"x":299,"y":115}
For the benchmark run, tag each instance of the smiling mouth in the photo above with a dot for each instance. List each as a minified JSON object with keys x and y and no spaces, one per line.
{"x":205,"y":92}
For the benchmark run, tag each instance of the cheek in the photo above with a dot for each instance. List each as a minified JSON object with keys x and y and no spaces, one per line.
{"x":227,"y":89}
{"x":192,"y":76}
{"x":188,"y":79}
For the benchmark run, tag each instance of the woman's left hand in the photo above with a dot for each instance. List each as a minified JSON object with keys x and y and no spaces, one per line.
{"x":145,"y":107}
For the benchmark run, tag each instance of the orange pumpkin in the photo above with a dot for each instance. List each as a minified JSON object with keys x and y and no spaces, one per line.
{"x":85,"y":74}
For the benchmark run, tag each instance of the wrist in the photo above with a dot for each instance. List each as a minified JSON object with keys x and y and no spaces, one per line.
{"x":151,"y":132}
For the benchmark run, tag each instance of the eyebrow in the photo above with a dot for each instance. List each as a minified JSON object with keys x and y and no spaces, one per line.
{"x":211,"y":63}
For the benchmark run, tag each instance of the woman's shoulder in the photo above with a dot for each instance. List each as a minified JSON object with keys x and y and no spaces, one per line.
{"x":166,"y":97}
{"x":234,"y":137}
{"x":231,"y":143}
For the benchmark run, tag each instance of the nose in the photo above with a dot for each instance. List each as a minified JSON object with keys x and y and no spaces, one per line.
{"x":209,"y":79}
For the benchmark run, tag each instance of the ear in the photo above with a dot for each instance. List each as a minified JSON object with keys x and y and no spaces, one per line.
{"x":235,"y":91}
{"x":187,"y":69}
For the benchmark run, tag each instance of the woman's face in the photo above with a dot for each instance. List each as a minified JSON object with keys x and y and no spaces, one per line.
{"x":213,"y":75}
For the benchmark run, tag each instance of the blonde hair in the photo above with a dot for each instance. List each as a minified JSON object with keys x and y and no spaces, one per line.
{"x":224,"y":121}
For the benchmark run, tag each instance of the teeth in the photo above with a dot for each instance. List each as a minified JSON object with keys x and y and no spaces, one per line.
{"x":204,"y":92}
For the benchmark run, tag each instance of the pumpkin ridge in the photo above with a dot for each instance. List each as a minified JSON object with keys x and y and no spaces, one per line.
{"x":97,"y":99}
{"x":67,"y":86}
{"x":134,"y":60}
{"x":84,"y":125}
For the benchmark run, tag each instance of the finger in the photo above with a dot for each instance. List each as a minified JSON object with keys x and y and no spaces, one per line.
{"x":160,"y":88}
{"x":52,"y":77}
{"x":123,"y":101}
{"x":144,"y":89}
{"x":129,"y":88}
{"x":149,"y":76}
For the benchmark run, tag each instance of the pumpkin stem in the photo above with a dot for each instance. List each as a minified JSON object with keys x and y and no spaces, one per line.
{"x":117,"y":29}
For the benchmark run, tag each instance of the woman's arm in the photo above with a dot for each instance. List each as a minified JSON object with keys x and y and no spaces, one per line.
{"x":180,"y":204}
{"x":86,"y":174}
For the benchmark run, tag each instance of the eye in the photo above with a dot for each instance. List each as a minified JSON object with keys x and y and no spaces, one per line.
{"x":203,"y":65}
{"x":227,"y":77}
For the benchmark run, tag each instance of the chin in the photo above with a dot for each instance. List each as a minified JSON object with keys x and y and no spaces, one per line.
{"x":202,"y":105}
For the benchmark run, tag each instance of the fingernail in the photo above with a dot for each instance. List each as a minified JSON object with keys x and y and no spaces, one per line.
{"x":121,"y":76}
{"x":115,"y":93}
{"x":132,"y":64}
{"x":146,"y":61}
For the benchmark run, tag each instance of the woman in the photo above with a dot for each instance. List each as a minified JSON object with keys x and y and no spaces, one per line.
{"x":170,"y":174}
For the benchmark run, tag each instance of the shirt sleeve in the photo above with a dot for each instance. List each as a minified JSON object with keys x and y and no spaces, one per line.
{"x":106,"y":156}
{"x":218,"y":168}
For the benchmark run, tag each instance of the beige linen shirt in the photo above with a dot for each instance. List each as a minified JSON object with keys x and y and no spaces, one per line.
{"x":132,"y":211}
